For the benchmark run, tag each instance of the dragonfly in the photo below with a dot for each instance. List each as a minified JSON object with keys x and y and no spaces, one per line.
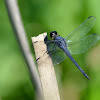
{"x":74,"y":43}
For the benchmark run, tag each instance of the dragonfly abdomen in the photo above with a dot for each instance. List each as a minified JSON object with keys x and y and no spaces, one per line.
{"x":72,"y":59}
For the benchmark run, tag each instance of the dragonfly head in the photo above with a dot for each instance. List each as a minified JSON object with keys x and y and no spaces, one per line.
{"x":52,"y":34}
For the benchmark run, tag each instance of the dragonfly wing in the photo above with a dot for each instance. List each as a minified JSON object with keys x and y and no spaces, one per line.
{"x":57,"y":54}
{"x":84,"y":44}
{"x":81,"y":30}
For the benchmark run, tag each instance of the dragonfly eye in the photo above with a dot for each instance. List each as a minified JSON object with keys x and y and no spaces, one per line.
{"x":52,"y":33}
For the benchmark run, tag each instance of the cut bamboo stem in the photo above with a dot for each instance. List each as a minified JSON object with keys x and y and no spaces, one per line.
{"x":46,"y":69}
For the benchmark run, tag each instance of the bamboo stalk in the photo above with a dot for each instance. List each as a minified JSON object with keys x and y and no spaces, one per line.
{"x":46,"y":69}
{"x":19,"y":31}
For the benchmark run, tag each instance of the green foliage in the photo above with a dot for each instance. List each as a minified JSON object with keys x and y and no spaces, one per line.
{"x":41,"y":16}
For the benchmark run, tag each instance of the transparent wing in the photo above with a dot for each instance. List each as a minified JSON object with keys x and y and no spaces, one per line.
{"x":84,"y":44}
{"x":57,"y":54}
{"x":81,"y":30}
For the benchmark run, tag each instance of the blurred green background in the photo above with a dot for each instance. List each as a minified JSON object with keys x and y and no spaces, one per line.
{"x":40,"y":16}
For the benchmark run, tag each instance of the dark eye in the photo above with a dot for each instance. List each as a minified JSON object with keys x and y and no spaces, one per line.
{"x":52,"y":33}
{"x":55,"y":32}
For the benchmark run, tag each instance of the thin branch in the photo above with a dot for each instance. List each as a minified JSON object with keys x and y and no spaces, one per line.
{"x":18,"y":28}
{"x":46,"y":69}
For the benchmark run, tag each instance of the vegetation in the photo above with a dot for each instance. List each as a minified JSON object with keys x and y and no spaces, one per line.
{"x":45,"y":16}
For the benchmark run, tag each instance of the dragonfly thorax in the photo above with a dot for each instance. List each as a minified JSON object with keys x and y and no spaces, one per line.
{"x":61,"y":42}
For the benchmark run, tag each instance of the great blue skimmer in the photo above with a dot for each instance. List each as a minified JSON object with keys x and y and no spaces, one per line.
{"x":59,"y":48}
